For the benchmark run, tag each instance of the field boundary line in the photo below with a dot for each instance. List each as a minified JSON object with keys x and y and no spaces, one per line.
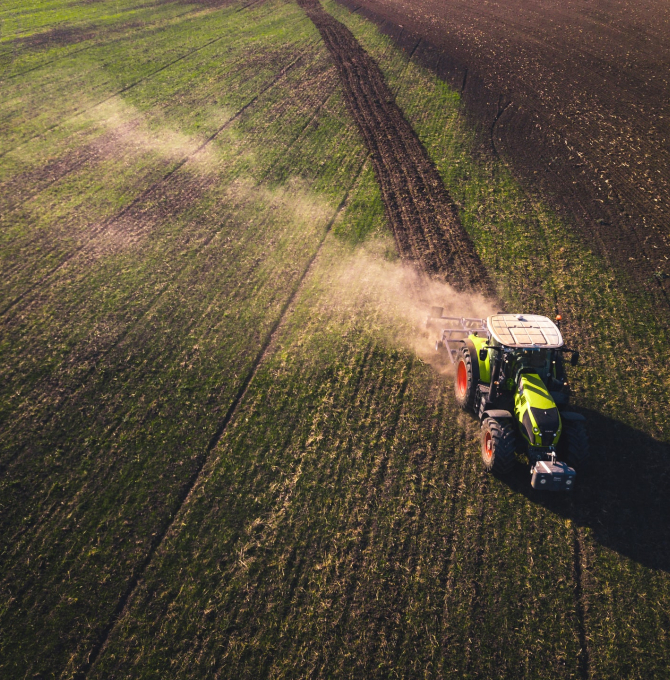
{"x":138,"y":199}
{"x":118,"y":92}
{"x":195,"y":481}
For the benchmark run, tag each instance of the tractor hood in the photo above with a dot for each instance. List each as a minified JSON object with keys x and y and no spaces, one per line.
{"x":536,"y":411}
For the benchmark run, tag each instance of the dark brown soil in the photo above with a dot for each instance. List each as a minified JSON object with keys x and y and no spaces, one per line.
{"x":424,"y":221}
{"x":575,"y":95}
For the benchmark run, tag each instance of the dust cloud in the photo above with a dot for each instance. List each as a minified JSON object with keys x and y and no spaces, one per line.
{"x":132,"y":131}
{"x":294,"y":199}
{"x":395,"y":299}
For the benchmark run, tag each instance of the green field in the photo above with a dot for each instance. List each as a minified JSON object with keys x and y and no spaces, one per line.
{"x":220,"y":453}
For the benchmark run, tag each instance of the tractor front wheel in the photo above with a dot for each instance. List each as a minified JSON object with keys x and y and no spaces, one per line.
{"x":575,"y":442}
{"x":464,"y":383}
{"x":498,"y":445}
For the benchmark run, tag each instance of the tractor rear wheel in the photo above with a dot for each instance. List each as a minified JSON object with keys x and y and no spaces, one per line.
{"x":464,"y":383}
{"x":575,"y":442}
{"x":498,"y":445}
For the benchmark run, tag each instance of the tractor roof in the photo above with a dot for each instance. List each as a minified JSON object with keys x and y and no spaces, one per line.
{"x":525,"y":331}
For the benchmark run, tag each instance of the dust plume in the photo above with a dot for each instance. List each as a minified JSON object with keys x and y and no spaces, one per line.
{"x":132,"y":131}
{"x":395,"y":299}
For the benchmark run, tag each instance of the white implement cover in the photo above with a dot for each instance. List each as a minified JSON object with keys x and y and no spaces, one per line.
{"x":525,"y":331}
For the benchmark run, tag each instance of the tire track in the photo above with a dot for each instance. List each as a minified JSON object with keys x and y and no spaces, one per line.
{"x":94,"y":233}
{"x":137,"y":82}
{"x":579,"y":567}
{"x":423,"y":217}
{"x":197,"y":478}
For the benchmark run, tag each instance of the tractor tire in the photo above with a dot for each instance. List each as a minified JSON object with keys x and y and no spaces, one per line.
{"x":498,"y":445}
{"x":465,"y":385}
{"x":575,"y":442}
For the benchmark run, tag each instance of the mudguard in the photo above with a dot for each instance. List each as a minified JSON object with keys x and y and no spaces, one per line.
{"x":571,"y":415}
{"x":474,"y":359}
{"x":496,"y":413}
{"x":560,"y":398}
{"x":475,"y":344}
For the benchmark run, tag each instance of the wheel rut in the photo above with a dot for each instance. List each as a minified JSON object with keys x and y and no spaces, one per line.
{"x":423,"y":218}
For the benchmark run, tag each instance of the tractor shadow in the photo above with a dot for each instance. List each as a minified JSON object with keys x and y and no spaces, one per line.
{"x":623,"y":494}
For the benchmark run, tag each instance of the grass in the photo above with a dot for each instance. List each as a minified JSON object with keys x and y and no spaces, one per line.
{"x":539,"y":263}
{"x":342,"y":526}
{"x":337,"y":530}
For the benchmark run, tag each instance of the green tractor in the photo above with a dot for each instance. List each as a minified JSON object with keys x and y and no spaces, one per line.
{"x":510,"y":374}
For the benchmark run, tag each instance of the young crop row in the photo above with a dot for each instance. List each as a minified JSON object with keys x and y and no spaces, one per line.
{"x":342,"y":525}
{"x":125,"y":348}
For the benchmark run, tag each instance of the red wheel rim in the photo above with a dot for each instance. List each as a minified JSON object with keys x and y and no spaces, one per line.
{"x":462,"y":377}
{"x":488,"y":448}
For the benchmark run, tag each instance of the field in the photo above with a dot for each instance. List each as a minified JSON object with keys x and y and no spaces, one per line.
{"x":224,"y":449}
{"x":575,"y":94}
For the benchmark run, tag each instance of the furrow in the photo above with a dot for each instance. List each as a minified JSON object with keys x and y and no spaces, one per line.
{"x":424,"y":222}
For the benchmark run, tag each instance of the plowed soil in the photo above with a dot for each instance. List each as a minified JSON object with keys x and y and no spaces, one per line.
{"x":575,"y":95}
{"x":424,"y":222}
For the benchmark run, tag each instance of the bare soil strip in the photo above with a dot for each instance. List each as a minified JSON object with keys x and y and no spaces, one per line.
{"x":196,"y":477}
{"x":423,"y":218}
{"x":575,"y":96}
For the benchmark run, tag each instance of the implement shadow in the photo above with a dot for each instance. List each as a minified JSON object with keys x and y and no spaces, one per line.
{"x":622,"y":495}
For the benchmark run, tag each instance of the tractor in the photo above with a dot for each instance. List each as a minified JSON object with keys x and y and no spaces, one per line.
{"x":510,"y":374}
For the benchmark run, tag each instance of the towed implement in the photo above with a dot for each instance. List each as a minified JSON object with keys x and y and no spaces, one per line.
{"x":510,"y":374}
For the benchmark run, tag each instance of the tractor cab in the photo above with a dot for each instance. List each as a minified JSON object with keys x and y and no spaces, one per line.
{"x":510,"y":374}
{"x":530,"y":344}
